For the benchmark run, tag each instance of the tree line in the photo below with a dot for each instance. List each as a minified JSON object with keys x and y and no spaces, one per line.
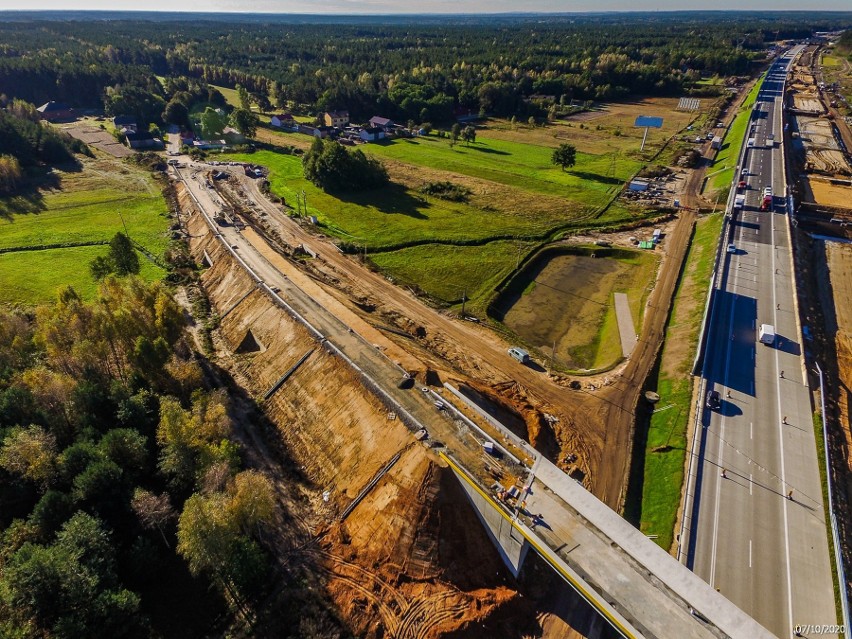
{"x":401,"y":70}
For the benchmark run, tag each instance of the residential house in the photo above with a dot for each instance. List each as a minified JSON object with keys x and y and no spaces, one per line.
{"x":143,"y":140}
{"x":324,"y":132}
{"x":284,"y":121}
{"x":233,"y":136}
{"x":56,"y":111}
{"x":205,"y":145}
{"x":125,"y":123}
{"x":385,"y":124}
{"x":372,"y":134}
{"x":336,"y":119}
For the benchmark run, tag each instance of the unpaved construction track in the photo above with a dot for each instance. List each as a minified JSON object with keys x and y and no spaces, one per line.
{"x":405,"y":563}
{"x":590,"y":421}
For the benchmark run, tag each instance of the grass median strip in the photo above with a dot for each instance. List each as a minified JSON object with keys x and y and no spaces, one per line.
{"x":665,"y":448}
{"x":722,"y":171}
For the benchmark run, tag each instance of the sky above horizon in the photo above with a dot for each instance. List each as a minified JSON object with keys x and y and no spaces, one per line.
{"x":423,"y":6}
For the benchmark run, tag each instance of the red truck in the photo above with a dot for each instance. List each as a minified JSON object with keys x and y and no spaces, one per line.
{"x":767,"y":199}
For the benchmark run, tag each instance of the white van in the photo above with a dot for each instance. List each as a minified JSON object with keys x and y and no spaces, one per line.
{"x":751,"y":143}
{"x":519,"y":354}
{"x":766,"y":335}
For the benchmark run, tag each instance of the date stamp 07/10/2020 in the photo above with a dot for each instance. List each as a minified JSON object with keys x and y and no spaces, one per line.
{"x":813,"y":629}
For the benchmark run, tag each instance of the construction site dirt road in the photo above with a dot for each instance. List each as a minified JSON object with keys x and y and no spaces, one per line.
{"x":596,"y":418}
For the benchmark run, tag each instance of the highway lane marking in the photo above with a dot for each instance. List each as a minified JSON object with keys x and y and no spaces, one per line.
{"x":749,"y":553}
{"x":781,"y":439}
{"x":750,"y":484}
{"x":719,"y":454}
{"x":751,"y":424}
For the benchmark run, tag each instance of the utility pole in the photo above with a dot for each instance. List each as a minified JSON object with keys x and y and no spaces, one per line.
{"x":124,"y":224}
{"x":464,"y":299}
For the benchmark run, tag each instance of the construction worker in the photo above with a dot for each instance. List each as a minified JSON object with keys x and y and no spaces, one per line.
{"x":728,"y":394}
{"x":782,"y":375}
{"x":784,"y":420}
{"x":724,"y":474}
{"x":790,"y":495}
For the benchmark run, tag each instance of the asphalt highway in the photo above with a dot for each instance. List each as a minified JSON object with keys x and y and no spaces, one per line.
{"x":759,"y":535}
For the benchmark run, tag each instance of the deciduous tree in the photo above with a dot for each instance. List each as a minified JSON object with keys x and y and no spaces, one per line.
{"x":565,"y":155}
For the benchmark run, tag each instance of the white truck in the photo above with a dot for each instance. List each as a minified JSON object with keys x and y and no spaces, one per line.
{"x":766,"y":334}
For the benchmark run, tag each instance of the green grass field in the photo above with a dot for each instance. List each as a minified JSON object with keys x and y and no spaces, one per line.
{"x":664,"y":469}
{"x":394,"y":215}
{"x":29,"y":278}
{"x":231,"y":95}
{"x":446,"y":272}
{"x":722,"y":172}
{"x":87,"y":208}
{"x":523,"y":166}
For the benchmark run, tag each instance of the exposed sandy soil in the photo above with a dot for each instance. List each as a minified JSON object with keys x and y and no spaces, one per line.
{"x":410,"y":561}
{"x":827,"y":302}
{"x":599,"y":418}
{"x":824,"y":192}
{"x":823,"y":154}
{"x":342,"y":448}
{"x":808,"y":103}
{"x":827,"y":161}
{"x":817,"y":132}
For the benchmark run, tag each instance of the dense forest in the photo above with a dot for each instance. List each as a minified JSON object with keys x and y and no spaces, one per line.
{"x":122,"y":489}
{"x":415,"y":70}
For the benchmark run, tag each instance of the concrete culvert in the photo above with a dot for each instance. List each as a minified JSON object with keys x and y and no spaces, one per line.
{"x":250,"y":344}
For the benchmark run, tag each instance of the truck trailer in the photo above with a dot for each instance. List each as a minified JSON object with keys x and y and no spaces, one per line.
{"x":766,"y":335}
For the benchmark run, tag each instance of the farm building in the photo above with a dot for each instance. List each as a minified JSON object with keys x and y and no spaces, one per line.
{"x":284,"y":121}
{"x":56,"y":111}
{"x":638,"y":185}
{"x":381,"y":123}
{"x":126,"y":123}
{"x":371,"y":134}
{"x":143,"y":140}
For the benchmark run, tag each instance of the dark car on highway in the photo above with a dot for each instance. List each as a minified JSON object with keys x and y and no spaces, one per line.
{"x":714,"y":400}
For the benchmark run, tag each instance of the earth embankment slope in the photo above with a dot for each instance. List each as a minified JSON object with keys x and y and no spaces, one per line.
{"x":411,"y":560}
